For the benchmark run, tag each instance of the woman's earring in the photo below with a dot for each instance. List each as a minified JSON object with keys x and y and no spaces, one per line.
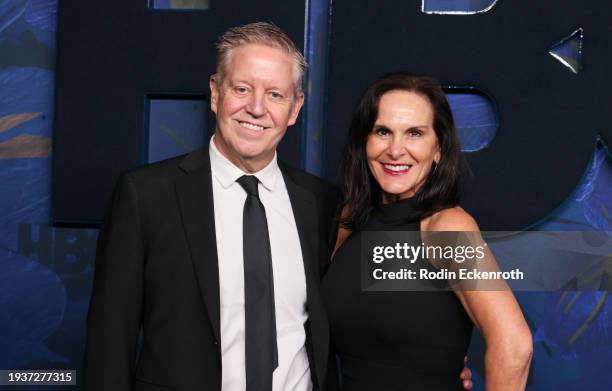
{"x":435,"y":167}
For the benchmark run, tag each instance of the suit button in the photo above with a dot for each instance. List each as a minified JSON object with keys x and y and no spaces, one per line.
{"x":215,"y":342}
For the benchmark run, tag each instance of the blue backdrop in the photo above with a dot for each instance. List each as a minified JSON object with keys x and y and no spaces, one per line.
{"x":45,"y":272}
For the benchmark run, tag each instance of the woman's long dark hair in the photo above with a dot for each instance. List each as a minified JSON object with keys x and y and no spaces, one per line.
{"x":361,"y":192}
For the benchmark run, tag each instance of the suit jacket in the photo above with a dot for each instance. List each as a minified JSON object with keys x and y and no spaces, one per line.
{"x":153,"y":321}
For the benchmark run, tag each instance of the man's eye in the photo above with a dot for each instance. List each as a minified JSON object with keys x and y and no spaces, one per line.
{"x":276,"y":95}
{"x":241,"y":90}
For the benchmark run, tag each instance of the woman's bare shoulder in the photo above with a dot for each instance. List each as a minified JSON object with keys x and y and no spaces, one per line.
{"x":450,"y":219}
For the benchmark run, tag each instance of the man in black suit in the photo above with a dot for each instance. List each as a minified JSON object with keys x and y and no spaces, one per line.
{"x":172,"y":253}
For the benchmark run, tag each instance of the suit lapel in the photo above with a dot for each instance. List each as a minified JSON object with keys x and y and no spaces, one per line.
{"x":304,"y":207}
{"x":195,"y":197}
{"x":305,"y":212}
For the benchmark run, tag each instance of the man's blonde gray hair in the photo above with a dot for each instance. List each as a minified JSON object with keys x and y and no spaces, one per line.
{"x":263,"y":33}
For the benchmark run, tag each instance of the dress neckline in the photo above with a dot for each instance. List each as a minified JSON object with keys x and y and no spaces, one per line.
{"x":396,"y":213}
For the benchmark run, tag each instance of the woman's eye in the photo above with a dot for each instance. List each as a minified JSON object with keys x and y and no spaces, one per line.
{"x":414,"y":132}
{"x":381,"y":131}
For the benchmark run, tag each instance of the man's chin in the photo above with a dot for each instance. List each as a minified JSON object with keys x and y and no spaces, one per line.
{"x":251,"y":152}
{"x":256,"y":158}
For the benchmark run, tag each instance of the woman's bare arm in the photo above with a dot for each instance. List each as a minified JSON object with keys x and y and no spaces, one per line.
{"x":495,"y":313}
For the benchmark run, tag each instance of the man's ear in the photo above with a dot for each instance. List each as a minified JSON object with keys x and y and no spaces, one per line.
{"x":214,"y":92}
{"x":295,"y":110}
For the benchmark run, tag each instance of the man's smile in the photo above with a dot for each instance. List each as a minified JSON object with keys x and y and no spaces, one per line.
{"x":251,"y":126}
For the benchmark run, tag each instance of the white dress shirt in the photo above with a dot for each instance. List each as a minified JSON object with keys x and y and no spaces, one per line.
{"x":293,"y":371}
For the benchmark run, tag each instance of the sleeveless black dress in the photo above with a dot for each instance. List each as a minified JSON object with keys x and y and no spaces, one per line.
{"x":393,"y":340}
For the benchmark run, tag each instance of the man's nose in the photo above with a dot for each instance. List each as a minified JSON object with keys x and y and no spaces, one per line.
{"x":256,"y":105}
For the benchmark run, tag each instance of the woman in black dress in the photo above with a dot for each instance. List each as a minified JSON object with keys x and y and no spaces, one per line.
{"x":401,"y":172}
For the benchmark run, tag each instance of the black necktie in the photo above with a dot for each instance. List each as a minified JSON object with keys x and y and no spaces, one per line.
{"x":260,"y":320}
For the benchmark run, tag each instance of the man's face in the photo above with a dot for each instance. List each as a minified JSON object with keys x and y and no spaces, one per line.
{"x":254,"y":104}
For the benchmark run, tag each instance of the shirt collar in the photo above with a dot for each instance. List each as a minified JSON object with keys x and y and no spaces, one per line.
{"x":227,"y":173}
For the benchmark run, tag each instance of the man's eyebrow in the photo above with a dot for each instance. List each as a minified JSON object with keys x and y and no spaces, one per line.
{"x":239,"y":81}
{"x":270,"y":87}
{"x":277,"y":87}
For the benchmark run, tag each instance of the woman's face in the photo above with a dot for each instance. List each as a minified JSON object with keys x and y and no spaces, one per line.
{"x":402,"y":144}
